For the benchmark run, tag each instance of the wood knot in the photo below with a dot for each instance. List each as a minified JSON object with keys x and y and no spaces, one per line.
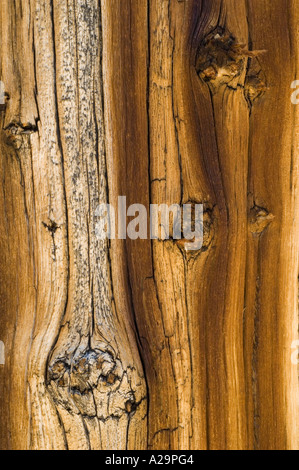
{"x":80,"y":376}
{"x":83,"y":371}
{"x":94,"y":384}
{"x":208,"y":230}
{"x":17,"y":134}
{"x":259,"y":219}
{"x":221,"y":60}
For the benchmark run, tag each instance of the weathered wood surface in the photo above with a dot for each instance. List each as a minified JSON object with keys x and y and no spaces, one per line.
{"x":140,"y":344}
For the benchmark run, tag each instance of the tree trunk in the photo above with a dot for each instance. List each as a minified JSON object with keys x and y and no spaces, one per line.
{"x":141,"y":344}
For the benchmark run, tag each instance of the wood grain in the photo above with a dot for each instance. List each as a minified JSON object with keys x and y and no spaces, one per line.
{"x":140,"y":344}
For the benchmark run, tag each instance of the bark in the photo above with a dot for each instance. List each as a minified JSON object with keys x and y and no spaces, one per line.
{"x":141,"y":344}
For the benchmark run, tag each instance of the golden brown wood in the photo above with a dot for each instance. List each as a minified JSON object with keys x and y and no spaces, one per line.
{"x":136,"y":344}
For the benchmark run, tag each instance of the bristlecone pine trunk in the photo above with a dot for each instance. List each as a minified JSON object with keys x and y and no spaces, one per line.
{"x":141,"y":344}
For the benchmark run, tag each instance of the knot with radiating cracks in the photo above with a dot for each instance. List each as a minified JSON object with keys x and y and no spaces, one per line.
{"x":221,"y":60}
{"x":92,"y":383}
